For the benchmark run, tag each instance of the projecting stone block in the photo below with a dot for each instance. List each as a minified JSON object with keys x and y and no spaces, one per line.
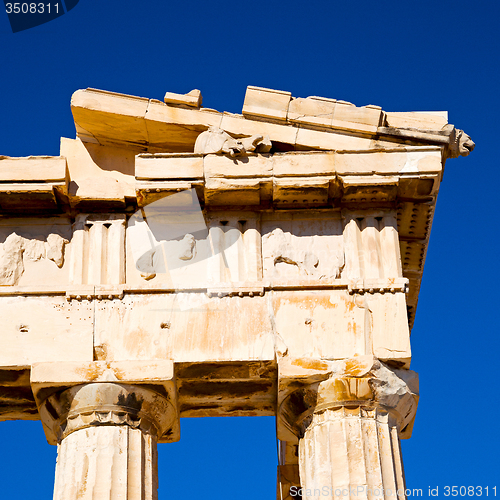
{"x":417,"y":120}
{"x":232,"y":191}
{"x":311,"y":111}
{"x":266,"y":103}
{"x":168,"y":166}
{"x":396,"y":162}
{"x":32,"y":183}
{"x":192,"y":99}
{"x":302,"y":164}
{"x":251,"y":166}
{"x":329,"y":140}
{"x":368,"y":115}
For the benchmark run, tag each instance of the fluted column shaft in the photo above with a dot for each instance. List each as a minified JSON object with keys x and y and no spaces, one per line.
{"x":107,"y":437}
{"x":351,"y":453}
{"x":113,"y":462}
{"x":347,"y":417}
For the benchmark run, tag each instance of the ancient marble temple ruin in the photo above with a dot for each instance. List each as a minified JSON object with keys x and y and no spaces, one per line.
{"x":175,"y":261}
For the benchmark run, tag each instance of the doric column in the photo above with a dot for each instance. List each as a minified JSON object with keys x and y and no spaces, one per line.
{"x":348,"y":417}
{"x":106,"y":431}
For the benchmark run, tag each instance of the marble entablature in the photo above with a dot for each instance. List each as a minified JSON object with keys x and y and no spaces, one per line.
{"x":267,"y":263}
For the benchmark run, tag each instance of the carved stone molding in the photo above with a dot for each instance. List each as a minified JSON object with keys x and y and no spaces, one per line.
{"x":75,"y":395}
{"x":98,"y":404}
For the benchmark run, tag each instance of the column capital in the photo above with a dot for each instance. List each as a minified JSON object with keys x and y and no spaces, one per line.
{"x":362,"y":384}
{"x":138,"y":394}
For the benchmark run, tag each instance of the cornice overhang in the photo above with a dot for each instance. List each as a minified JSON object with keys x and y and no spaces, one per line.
{"x":313,"y":123}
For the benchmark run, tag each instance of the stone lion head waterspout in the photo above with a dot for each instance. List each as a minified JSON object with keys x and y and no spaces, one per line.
{"x":460,"y":143}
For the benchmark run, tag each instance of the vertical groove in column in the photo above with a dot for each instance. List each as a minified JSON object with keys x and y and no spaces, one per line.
{"x":76,"y":271}
{"x":215,"y":263}
{"x":330,"y":432}
{"x":106,"y":463}
{"x":354,"y":444}
{"x":96,"y":256}
{"x":117,"y":451}
{"x":134,"y":465}
{"x":115,"y":253}
{"x":342,"y":451}
{"x":372,"y":452}
{"x":370,"y":239}
{"x":398,"y":463}
{"x":386,"y":456}
{"x":151,"y":463}
{"x":353,"y":250}
{"x":389,"y":243}
{"x":354,"y":450}
{"x":233,"y":254}
{"x":253,"y":244}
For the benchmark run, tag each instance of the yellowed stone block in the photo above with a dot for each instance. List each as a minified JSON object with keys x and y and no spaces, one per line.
{"x":297,"y":164}
{"x":110,"y":115}
{"x":314,"y":139}
{"x":390,"y":334}
{"x":418,"y":120}
{"x":175,"y":129}
{"x":267,"y":103}
{"x":68,"y":373}
{"x":184,"y":327}
{"x":33,"y":168}
{"x":321,"y":324}
{"x":169,"y":166}
{"x":192,"y":99}
{"x":98,"y":172}
{"x":311,"y":111}
{"x":396,"y":162}
{"x":45,"y":329}
{"x":368,"y":115}
{"x":31,"y":183}
{"x":220,"y":191}
{"x":251,"y":166}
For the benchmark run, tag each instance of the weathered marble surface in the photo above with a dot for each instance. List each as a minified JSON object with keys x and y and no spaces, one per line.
{"x":175,"y":261}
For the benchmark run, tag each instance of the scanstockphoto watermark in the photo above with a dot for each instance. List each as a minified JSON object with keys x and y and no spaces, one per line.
{"x":354,"y":491}
{"x":26,"y":15}
{"x":367,"y":492}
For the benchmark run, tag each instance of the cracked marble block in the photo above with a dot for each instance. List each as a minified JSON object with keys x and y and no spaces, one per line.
{"x":176,"y":261}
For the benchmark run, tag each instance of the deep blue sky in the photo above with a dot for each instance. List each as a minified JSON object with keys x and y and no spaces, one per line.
{"x":403,"y":56}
